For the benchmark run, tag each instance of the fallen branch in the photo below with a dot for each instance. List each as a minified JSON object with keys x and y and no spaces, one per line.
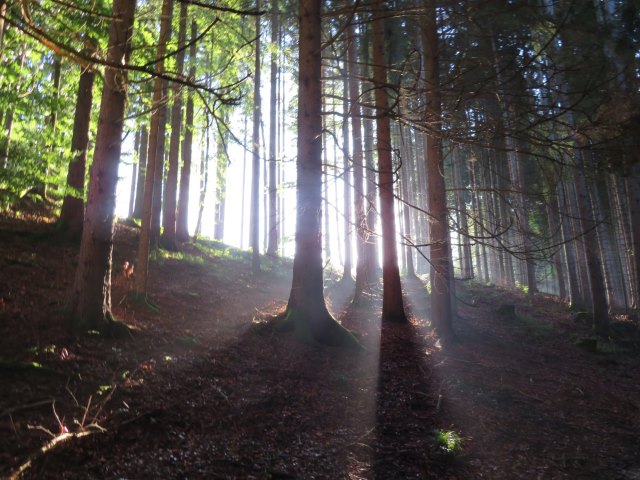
{"x":58,"y":440}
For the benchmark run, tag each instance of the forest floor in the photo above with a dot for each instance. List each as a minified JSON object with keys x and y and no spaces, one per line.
{"x":205,"y":387}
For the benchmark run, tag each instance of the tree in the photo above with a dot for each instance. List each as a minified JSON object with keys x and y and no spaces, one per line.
{"x":272,"y":247}
{"x":168,"y":237}
{"x":72,"y":213}
{"x":441,"y":284}
{"x":182,"y":222}
{"x":90,"y":299}
{"x":392,"y":302}
{"x":306,"y":311}
{"x":156,"y":148}
{"x":255,"y":148}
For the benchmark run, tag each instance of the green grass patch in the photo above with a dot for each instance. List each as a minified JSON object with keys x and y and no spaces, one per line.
{"x":448,"y":442}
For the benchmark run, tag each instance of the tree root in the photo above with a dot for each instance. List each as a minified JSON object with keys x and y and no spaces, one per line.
{"x":317,"y":327}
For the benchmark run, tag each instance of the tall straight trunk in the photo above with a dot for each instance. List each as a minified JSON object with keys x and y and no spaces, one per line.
{"x":142,"y":171}
{"x":441,"y":307}
{"x":170,"y":197}
{"x":633,"y":187}
{"x":160,"y":171}
{"x":355,"y":112}
{"x":599,"y":306}
{"x":72,"y":213}
{"x":392,"y":301}
{"x":90,"y":298}
{"x":182,"y":221}
{"x":255,"y":145}
{"x":8,"y":120}
{"x":554,"y":233}
{"x":346,"y":179}
{"x":204,"y":178}
{"x":221,"y":189}
{"x":156,"y":147}
{"x":272,"y":246}
{"x":306,"y":310}
{"x":404,"y":181}
{"x":135,"y":166}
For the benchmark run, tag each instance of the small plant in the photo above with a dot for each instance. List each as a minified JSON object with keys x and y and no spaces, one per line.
{"x":448,"y":442}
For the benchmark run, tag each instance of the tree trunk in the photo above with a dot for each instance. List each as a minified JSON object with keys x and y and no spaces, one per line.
{"x":135,"y":166}
{"x":182,"y":222}
{"x":362,"y":230}
{"x":142,"y":169}
{"x":392,"y":301}
{"x":90,"y":299}
{"x":346,"y":181}
{"x":221,"y":188}
{"x":72,"y":213}
{"x":272,"y":246}
{"x":156,"y":145}
{"x":255,"y":145}
{"x":599,"y":307}
{"x":441,"y":308}
{"x":306,"y":310}
{"x":168,"y":238}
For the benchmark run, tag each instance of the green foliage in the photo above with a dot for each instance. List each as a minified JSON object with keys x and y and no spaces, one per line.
{"x":448,"y":442}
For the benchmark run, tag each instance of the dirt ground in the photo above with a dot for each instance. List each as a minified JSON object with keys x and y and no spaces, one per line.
{"x":205,"y":387}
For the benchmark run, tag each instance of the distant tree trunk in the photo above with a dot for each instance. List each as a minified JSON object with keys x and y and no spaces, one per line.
{"x":599,"y":307}
{"x":633,"y":182}
{"x":90,"y":299}
{"x":221,"y":189}
{"x":255,"y":145}
{"x":8,"y":121}
{"x":362,"y":233}
{"x":272,"y":247}
{"x":72,"y":213}
{"x":405,"y":172}
{"x":134,"y":172}
{"x":159,"y":172}
{"x":554,"y":232}
{"x":306,"y":310}
{"x":142,"y":169}
{"x":156,"y":147}
{"x":346,"y":182}
{"x":168,"y":238}
{"x":441,"y":308}
{"x":182,"y":222}
{"x":204,"y":178}
{"x":392,"y":301}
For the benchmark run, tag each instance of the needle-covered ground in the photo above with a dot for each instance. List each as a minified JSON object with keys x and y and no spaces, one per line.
{"x":205,"y":387}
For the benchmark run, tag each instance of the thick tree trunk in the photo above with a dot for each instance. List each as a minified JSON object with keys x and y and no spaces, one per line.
{"x":72,"y":213}
{"x":255,"y":146}
{"x":90,"y":299}
{"x":392,"y":301}
{"x":306,"y":310}
{"x":441,"y":308}
{"x":168,"y":238}
{"x":156,"y":146}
